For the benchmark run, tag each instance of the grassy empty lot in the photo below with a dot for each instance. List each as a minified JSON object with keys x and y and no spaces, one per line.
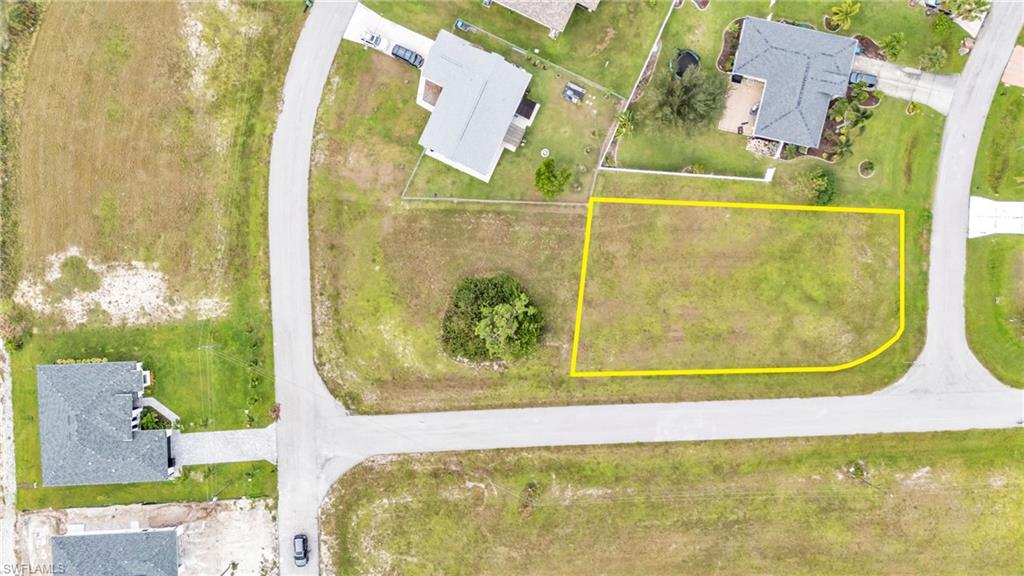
{"x":683,"y":287}
{"x":659,"y":148}
{"x":928,"y":503}
{"x":878,"y":20}
{"x":145,"y":135}
{"x":999,"y":168}
{"x":995,"y":309}
{"x":572,"y":133}
{"x":608,"y":45}
{"x":384,"y":270}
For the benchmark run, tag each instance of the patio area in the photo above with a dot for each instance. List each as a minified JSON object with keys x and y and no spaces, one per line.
{"x":741,"y":107}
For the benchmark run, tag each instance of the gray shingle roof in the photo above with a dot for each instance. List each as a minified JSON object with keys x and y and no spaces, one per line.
{"x":554,"y":14}
{"x":149,"y":553}
{"x":85,"y":428}
{"x":803,"y":70}
{"x":479,"y":97}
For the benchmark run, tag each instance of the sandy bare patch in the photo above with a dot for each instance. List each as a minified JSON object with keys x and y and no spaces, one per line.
{"x":212,"y":535}
{"x":129,"y":293}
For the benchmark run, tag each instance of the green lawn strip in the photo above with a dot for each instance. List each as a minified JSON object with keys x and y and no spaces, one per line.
{"x":879,"y":19}
{"x":608,"y":45}
{"x":573,"y":134}
{"x":995,"y":305}
{"x":940,"y":503}
{"x":999,"y":168}
{"x":654,"y":147}
{"x":760,"y":288}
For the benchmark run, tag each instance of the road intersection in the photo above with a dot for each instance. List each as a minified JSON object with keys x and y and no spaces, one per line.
{"x":317,"y":441}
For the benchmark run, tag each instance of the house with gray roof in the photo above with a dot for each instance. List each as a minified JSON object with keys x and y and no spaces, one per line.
{"x":128,"y":553}
{"x":89,"y":426}
{"x":802,"y":71}
{"x":478,"y":105}
{"x":554,"y":14}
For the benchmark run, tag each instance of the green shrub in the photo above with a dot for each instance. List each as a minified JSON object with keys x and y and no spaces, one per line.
{"x":933,"y":59}
{"x":820,"y":185}
{"x":943,"y":24}
{"x":550,"y":180}
{"x":23,"y":16}
{"x":893,"y":44}
{"x":153,"y":420}
{"x":491,"y":318}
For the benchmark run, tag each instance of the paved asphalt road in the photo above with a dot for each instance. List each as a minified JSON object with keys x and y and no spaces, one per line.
{"x":946,"y":389}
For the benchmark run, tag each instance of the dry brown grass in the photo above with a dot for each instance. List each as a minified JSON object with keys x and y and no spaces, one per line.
{"x":114,"y":154}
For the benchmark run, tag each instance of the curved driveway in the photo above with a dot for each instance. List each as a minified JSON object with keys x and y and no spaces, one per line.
{"x":946,"y":389}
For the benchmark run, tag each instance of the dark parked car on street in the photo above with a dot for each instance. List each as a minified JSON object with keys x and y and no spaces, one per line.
{"x":407,"y":56}
{"x":301,"y":546}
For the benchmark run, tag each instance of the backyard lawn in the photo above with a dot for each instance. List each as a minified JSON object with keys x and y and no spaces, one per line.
{"x":759,"y":288}
{"x":573,"y":134}
{"x":879,"y":19}
{"x":995,"y":305}
{"x":706,"y":149}
{"x":384,"y":270}
{"x":943,"y":503}
{"x":609,"y":45}
{"x":148,"y":156}
{"x":999,"y":168}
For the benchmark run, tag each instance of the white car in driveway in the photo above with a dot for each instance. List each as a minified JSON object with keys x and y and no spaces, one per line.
{"x":375,"y":41}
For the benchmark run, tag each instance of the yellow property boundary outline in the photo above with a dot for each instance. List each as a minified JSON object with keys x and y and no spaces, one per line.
{"x":740,"y":205}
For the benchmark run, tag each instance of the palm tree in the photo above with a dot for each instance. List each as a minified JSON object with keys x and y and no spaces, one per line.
{"x":627,"y":123}
{"x":969,"y":9}
{"x":856,"y":116}
{"x":842,"y":14}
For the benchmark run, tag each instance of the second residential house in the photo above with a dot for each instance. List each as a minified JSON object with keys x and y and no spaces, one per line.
{"x":478,"y":106}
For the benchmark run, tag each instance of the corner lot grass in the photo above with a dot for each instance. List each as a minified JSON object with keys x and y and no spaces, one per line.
{"x":119,"y":157}
{"x":655,"y":147}
{"x":999,"y":168}
{"x":383,"y":270}
{"x":947,"y":503}
{"x":683,"y":287}
{"x":995,"y":305}
{"x":878,"y":20}
{"x":609,"y":45}
{"x":572,"y":133}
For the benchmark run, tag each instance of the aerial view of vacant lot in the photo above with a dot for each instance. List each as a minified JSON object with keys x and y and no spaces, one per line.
{"x":885,"y":504}
{"x":137,"y":227}
{"x":675,"y":287}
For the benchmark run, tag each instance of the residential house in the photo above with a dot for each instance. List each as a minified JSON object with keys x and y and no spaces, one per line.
{"x":478,"y":105}
{"x":89,"y":426}
{"x":554,"y":14}
{"x":122,"y":553}
{"x":802,"y":71}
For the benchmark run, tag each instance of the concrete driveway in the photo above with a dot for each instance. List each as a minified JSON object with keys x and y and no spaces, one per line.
{"x":195,"y":448}
{"x":366,"y":20}
{"x":910,"y":84}
{"x":993,"y":217}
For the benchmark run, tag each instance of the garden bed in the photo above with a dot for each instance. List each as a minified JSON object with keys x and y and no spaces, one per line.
{"x":730,"y":43}
{"x":870,"y":49}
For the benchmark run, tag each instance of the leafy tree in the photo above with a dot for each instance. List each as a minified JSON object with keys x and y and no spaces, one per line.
{"x":819,"y":184}
{"x":893,"y":44}
{"x":626,"y":123}
{"x":695,"y":99}
{"x":969,"y":10}
{"x":933,"y":58}
{"x":842,"y":14}
{"x":510,"y":330}
{"x":550,"y":180}
{"x":490,"y":318}
{"x":23,"y":16}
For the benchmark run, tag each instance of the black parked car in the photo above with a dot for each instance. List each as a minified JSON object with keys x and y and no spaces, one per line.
{"x":301,"y":546}
{"x":407,"y":56}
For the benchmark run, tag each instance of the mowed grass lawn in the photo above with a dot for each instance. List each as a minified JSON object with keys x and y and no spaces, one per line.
{"x":945,"y":503}
{"x":999,"y":168}
{"x":383,"y":270}
{"x":655,"y":147}
{"x":573,"y":134}
{"x":995,"y":305}
{"x":879,"y":19}
{"x":130,"y":150}
{"x":672,"y":287}
{"x":608,"y":45}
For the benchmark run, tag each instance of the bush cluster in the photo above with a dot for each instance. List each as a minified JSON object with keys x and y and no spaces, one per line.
{"x":491,"y":319}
